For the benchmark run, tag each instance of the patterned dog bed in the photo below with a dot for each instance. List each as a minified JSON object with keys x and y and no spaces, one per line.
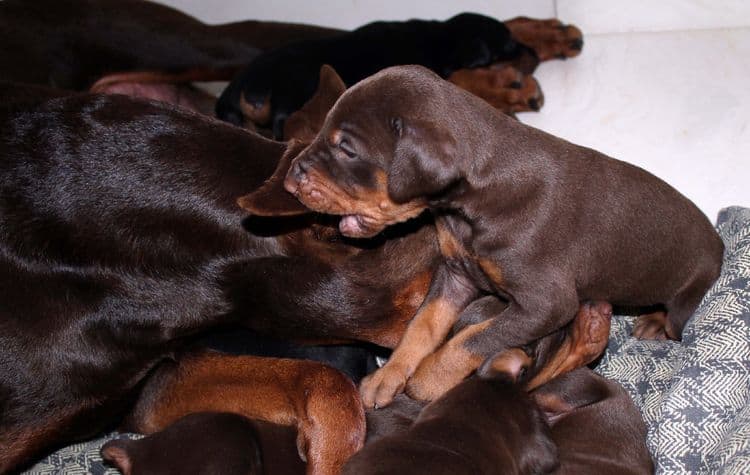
{"x":694,"y":395}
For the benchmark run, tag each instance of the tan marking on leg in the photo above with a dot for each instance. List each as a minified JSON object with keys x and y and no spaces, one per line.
{"x":502,"y":86}
{"x":450,"y":246}
{"x":509,"y":362}
{"x":425,"y":332}
{"x":405,"y":305}
{"x":447,"y":367}
{"x":492,"y":271}
{"x":587,"y":339}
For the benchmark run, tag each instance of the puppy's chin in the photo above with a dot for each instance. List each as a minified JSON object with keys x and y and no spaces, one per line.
{"x":355,"y":226}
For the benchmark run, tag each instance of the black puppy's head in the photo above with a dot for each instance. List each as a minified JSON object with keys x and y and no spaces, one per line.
{"x":386,"y":147}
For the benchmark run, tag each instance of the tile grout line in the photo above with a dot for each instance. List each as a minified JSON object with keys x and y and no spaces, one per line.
{"x":659,"y":32}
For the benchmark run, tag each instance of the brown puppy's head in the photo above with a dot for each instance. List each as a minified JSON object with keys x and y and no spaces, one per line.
{"x":200,"y":443}
{"x":386,"y":147}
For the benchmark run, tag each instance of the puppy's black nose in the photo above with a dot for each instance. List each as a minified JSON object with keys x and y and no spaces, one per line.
{"x":577,"y":44}
{"x":534,"y":104}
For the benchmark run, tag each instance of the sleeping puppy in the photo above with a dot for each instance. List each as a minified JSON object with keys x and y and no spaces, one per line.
{"x":591,"y":420}
{"x":206,"y":443}
{"x":279,"y":82}
{"x":484,"y":425}
{"x":520,"y":214}
{"x":595,"y":425}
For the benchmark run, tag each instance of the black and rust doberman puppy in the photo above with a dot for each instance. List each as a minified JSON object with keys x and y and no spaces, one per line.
{"x":520,"y":214}
{"x":121,"y":239}
{"x":205,"y":443}
{"x":280,"y":81}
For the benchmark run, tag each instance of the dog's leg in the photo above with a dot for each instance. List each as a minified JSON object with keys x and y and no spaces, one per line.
{"x":586,"y":340}
{"x":449,"y":294}
{"x":454,"y":361}
{"x":321,"y":402}
{"x":550,"y":39}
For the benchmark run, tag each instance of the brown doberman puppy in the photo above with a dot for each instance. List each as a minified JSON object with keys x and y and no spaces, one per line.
{"x":595,"y":426}
{"x":521,"y":214}
{"x":206,"y":443}
{"x":484,"y":425}
{"x":577,"y":344}
{"x":320,"y":402}
{"x":592,"y":421}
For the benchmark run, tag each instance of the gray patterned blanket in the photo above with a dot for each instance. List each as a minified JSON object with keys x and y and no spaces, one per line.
{"x":694,"y":395}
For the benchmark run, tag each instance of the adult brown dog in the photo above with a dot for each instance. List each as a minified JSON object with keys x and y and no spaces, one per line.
{"x":538,"y":221}
{"x":121,"y":241}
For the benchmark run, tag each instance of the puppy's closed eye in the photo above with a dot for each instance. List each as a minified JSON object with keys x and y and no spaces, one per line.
{"x":397,"y":125}
{"x":347,"y":148}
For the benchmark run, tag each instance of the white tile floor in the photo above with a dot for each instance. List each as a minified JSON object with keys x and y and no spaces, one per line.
{"x":664,"y":85}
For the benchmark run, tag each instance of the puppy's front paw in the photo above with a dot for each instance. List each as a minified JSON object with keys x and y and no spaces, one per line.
{"x":379,"y":388}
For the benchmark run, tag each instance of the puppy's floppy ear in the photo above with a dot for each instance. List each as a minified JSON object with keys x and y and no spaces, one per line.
{"x":271,"y":199}
{"x":305,"y":123}
{"x":570,"y":391}
{"x":424,"y":160}
{"x":511,"y":364}
{"x":116,"y":452}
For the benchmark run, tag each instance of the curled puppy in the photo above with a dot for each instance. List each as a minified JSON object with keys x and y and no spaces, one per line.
{"x":320,"y":402}
{"x":520,"y":214}
{"x":595,"y":425}
{"x":484,"y":425}
{"x":209,"y":443}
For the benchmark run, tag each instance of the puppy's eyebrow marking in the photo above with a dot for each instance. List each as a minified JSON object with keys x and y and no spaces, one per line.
{"x":334,"y":138}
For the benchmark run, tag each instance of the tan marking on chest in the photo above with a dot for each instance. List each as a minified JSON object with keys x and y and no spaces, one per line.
{"x":450,"y":246}
{"x":492,"y":271}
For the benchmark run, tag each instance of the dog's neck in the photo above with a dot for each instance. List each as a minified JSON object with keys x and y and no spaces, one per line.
{"x":488,"y":173}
